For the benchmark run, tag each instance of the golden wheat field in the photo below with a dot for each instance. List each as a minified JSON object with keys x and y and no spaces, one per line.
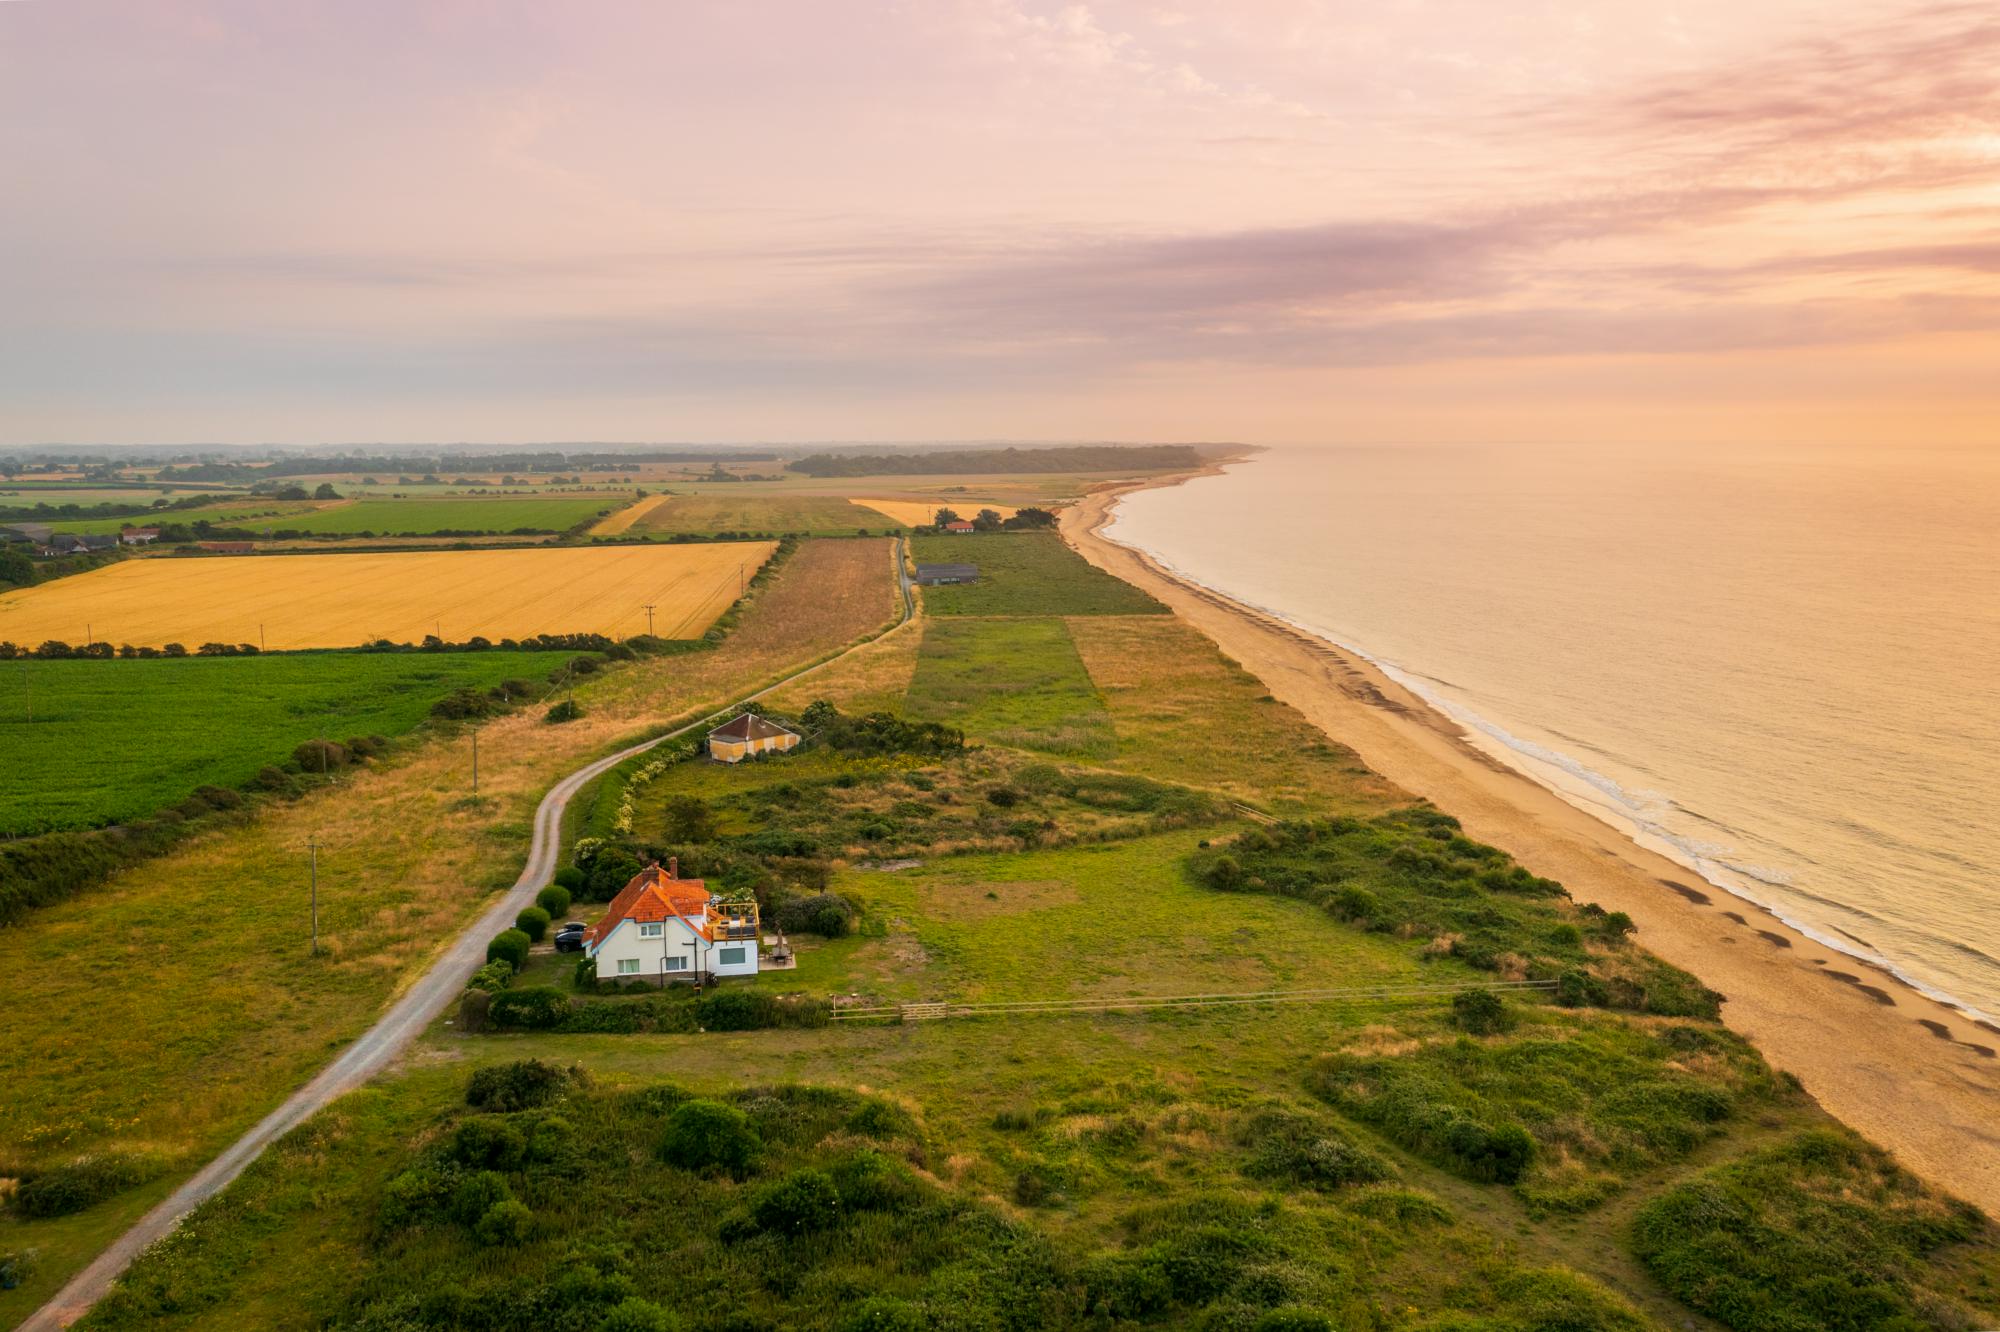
{"x":918,"y":513}
{"x":307,"y":601}
{"x":616,"y":523}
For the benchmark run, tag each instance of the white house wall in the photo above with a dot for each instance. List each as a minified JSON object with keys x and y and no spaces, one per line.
{"x":676,"y":940}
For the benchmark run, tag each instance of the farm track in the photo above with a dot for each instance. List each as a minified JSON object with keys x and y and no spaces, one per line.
{"x":404,"y":1021}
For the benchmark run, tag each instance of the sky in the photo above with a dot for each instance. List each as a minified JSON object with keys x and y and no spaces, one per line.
{"x":1403,"y":221}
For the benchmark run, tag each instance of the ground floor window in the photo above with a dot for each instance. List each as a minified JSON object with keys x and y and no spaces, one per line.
{"x":733,"y":957}
{"x":628,"y":966}
{"x":677,"y":964}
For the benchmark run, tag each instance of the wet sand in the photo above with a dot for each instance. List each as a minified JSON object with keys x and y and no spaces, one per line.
{"x":1914,"y":1075}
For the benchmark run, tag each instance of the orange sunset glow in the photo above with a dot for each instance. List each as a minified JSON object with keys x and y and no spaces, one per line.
{"x":1280,"y":221}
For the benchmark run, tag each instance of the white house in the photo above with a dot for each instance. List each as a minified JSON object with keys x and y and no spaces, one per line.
{"x":662,"y":928}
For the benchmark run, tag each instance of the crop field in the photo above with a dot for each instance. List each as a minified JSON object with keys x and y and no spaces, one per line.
{"x":621,"y":519}
{"x":1025,"y":573}
{"x":116,"y":740}
{"x":254,"y":514}
{"x":722,"y":511}
{"x":312,"y":601}
{"x":457,"y":513}
{"x":1014,"y":682}
{"x":920,"y":513}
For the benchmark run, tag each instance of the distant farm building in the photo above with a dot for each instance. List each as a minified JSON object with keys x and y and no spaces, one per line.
{"x":935,"y":575}
{"x":663,"y":928}
{"x":747,"y":737}
{"x":961,"y":527}
{"x":67,"y":543}
{"x":139,"y":536}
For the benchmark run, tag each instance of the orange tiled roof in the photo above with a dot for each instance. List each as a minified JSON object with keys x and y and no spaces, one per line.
{"x":654,"y":894}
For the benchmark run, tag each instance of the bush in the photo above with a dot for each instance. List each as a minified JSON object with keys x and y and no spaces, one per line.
{"x":505,"y":1222}
{"x":554,"y":899}
{"x":474,"y":1009}
{"x":1299,"y":1149}
{"x":487,"y":1144}
{"x":868,"y":1181}
{"x":801,"y":1202}
{"x":76,"y":1185}
{"x":509,"y":946}
{"x":533,"y":1007}
{"x":493,"y":976}
{"x":827,"y":914}
{"x":1480,"y":1012}
{"x":533,"y":922}
{"x":320,"y":756}
{"x":566,"y":711}
{"x":521,"y":1085}
{"x":633,"y":1314}
{"x":476,"y":1195}
{"x":275,"y":780}
{"x":571,"y":878}
{"x":704,"y":1134}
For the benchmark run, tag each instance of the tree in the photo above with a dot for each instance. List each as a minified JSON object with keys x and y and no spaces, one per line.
{"x":325,"y":491}
{"x":1030,"y":518}
{"x":292,"y":493}
{"x":944,"y":516}
{"x":987,"y":520}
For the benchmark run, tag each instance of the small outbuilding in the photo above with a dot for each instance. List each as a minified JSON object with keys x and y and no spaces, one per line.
{"x":139,"y":536}
{"x":936,"y":575}
{"x":960,"y":528}
{"x":747,"y":737}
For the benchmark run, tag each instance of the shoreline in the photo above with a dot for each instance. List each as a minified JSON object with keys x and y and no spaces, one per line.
{"x":1916,"y":1075}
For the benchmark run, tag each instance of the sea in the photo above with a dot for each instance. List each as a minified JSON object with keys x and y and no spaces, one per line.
{"x":1778,"y":665}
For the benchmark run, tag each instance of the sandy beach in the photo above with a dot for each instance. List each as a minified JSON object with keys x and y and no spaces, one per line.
{"x":1916,"y":1076}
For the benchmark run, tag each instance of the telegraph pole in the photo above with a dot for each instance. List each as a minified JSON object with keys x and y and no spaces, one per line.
{"x":312,"y":846}
{"x":649,"y":619}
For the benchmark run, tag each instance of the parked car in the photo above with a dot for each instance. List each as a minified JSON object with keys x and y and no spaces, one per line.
{"x":569,"y":939}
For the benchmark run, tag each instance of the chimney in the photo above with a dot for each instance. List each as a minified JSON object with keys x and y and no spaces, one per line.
{"x":673,"y":867}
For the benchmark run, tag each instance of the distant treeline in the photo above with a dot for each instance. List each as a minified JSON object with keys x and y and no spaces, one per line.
{"x":441,"y":463}
{"x":1067,"y":458}
{"x":44,"y":512}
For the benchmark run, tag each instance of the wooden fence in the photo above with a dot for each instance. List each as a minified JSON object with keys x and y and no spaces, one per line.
{"x":934,"y":1010}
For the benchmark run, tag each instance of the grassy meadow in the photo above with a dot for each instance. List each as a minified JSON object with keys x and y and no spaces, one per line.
{"x":424,"y":515}
{"x":115,"y":740}
{"x":345,"y":600}
{"x":1014,"y":682}
{"x":1025,"y":573}
{"x":177,"y":1004}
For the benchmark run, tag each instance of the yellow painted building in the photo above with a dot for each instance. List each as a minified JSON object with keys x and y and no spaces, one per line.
{"x":747,"y":737}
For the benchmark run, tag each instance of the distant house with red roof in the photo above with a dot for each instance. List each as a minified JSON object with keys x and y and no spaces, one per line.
{"x":663,"y":928}
{"x":961,"y":527}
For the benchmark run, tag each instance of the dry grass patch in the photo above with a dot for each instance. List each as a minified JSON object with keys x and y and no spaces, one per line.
{"x":625,"y":517}
{"x":872,"y":678}
{"x":1185,"y":712}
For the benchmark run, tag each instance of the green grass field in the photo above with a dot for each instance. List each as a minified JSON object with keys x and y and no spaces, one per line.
{"x":1013,"y":682}
{"x":1025,"y":573}
{"x":458,"y":513}
{"x":720,"y":511}
{"x":114,"y":740}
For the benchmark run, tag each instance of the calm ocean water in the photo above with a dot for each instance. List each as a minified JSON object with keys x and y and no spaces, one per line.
{"x":1779,"y":665}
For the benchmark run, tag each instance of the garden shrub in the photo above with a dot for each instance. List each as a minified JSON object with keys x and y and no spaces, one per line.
{"x":533,"y":922}
{"x":826,"y":914}
{"x":554,"y":899}
{"x":533,"y":1008}
{"x":704,"y":1134}
{"x":510,"y":946}
{"x":571,"y":878}
{"x":802,"y":1202}
{"x":475,"y":1008}
{"x":521,"y":1085}
{"x":493,"y":976}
